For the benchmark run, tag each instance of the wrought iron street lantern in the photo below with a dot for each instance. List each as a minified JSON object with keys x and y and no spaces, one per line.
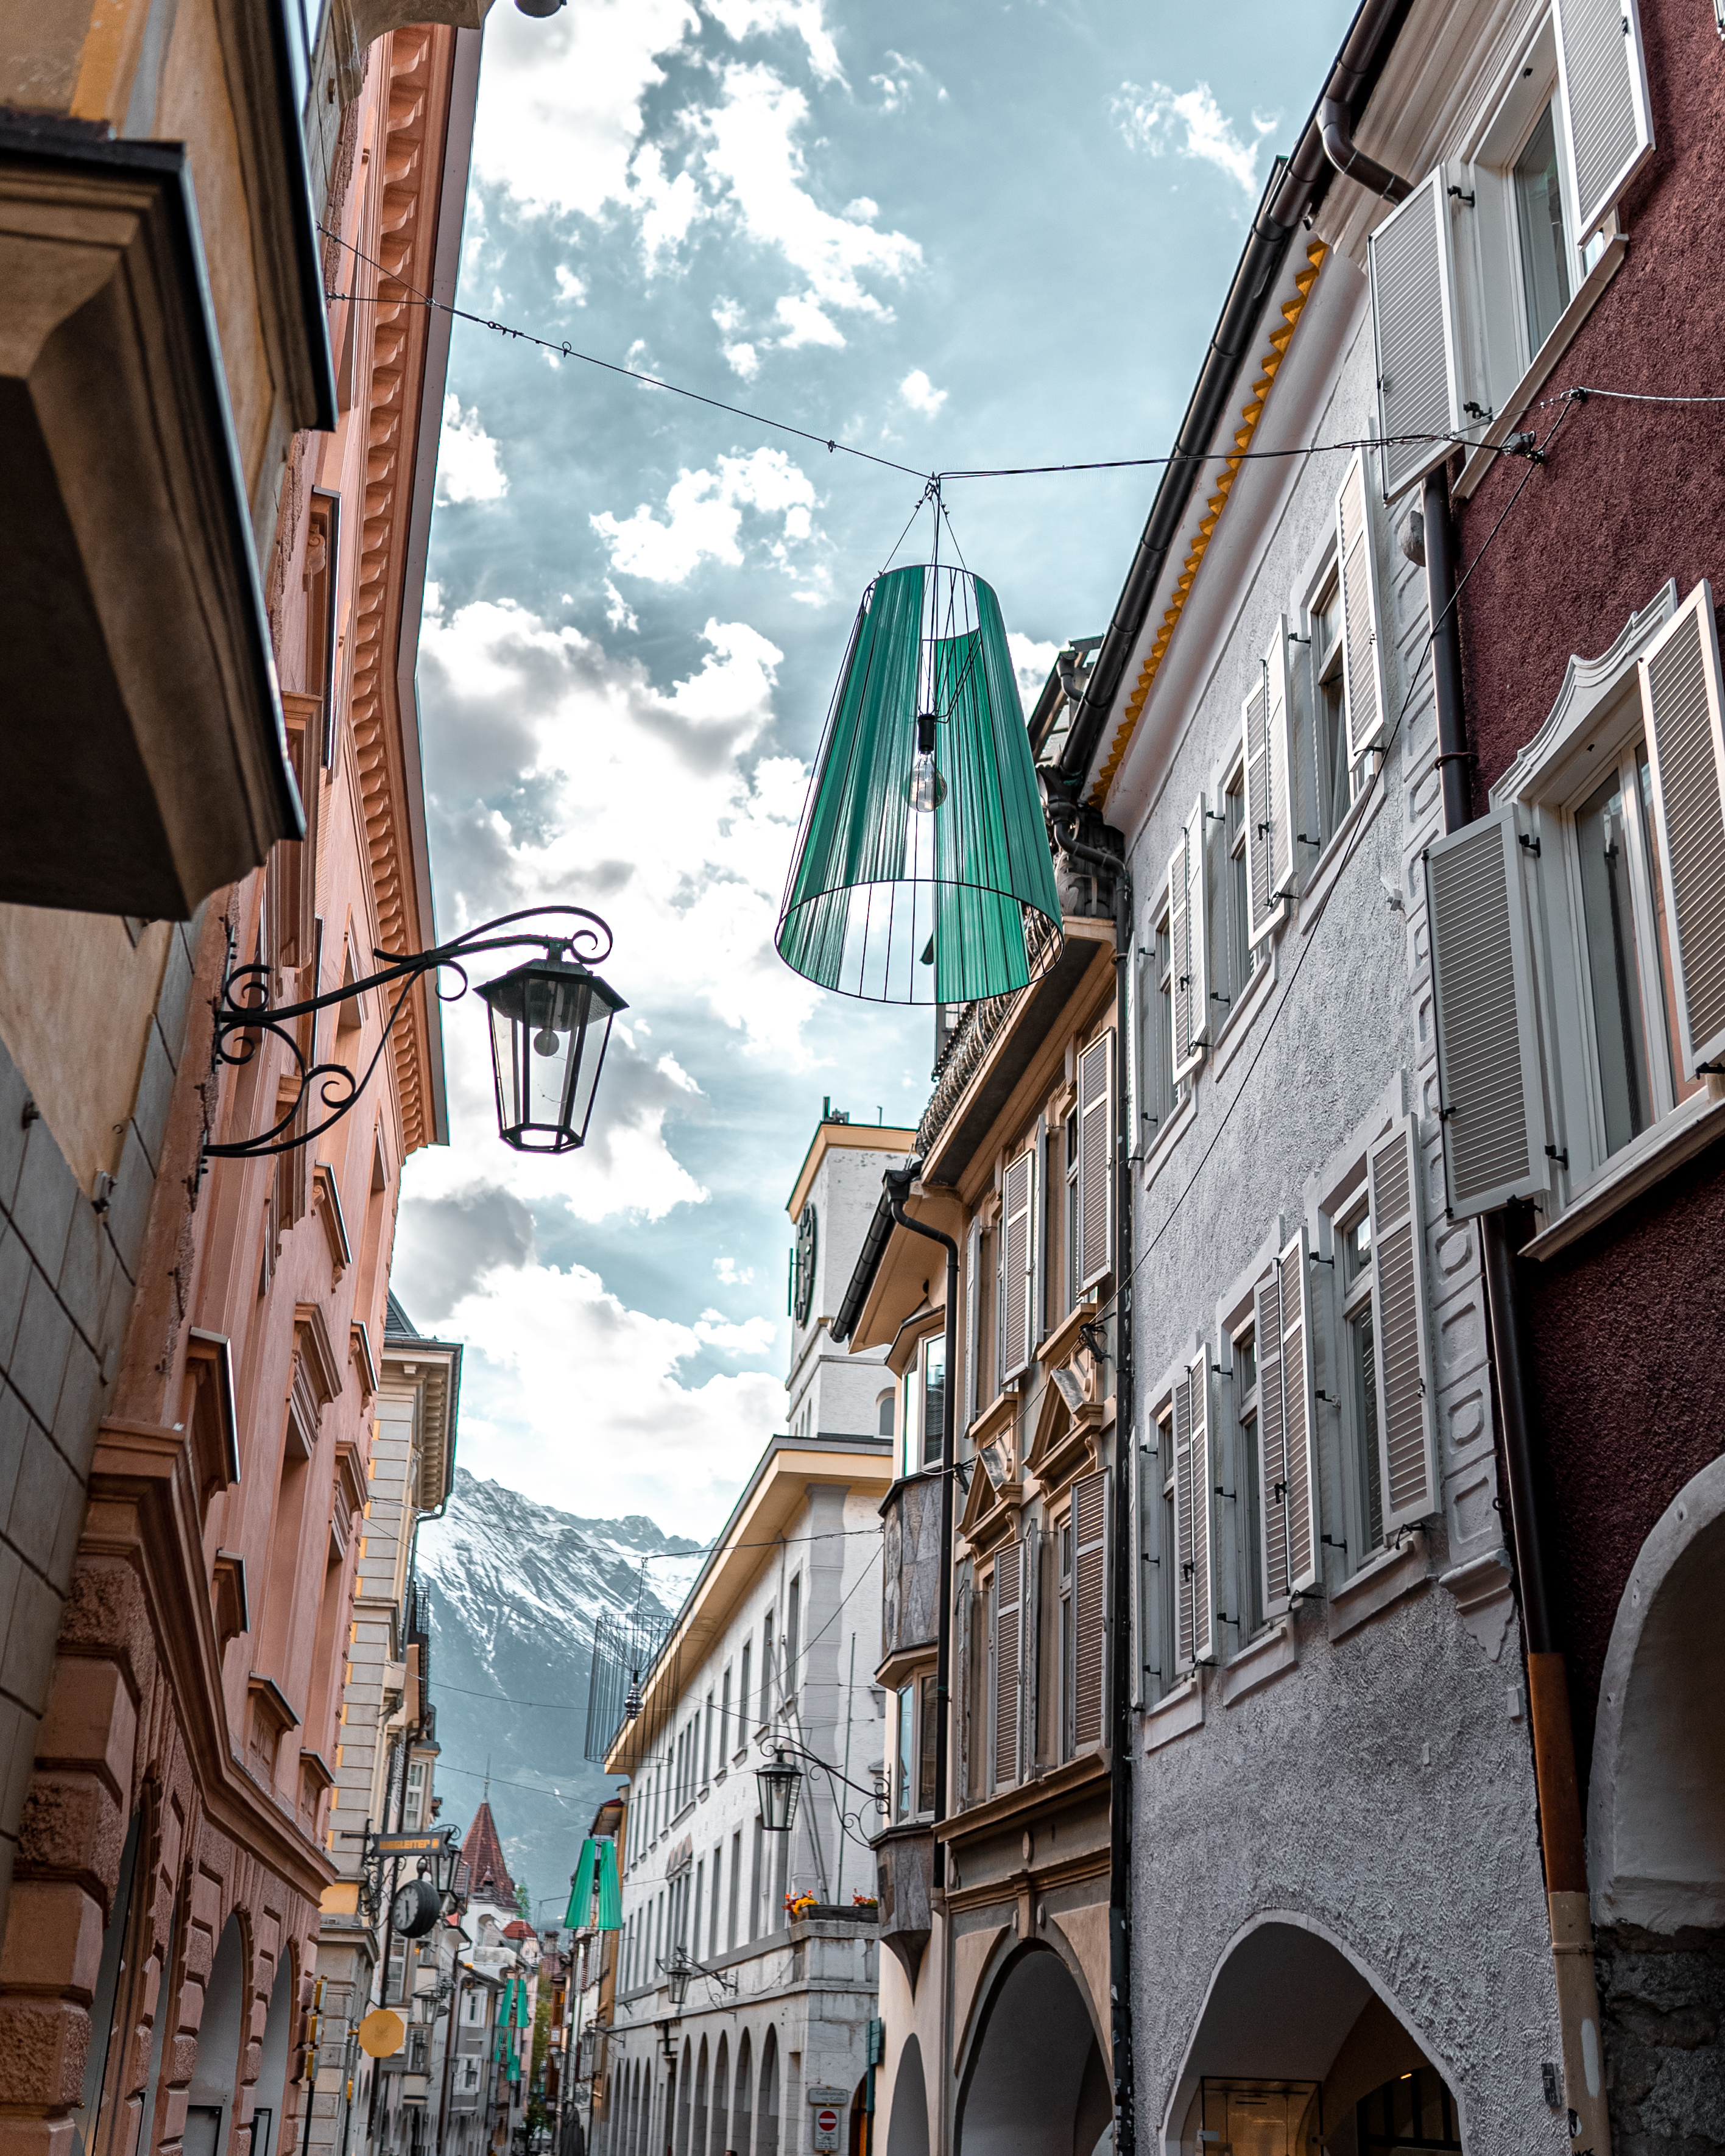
{"x":779,"y":1783}
{"x":678,"y":1971}
{"x":551,"y":1022}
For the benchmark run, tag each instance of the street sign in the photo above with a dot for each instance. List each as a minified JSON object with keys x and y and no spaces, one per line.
{"x":826,"y":2133}
{"x":826,"y":2099}
{"x":382,"y":2034}
{"x":410,"y":1844}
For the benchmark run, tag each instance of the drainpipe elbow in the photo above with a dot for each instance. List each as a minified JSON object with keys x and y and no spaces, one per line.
{"x":1336,"y":126}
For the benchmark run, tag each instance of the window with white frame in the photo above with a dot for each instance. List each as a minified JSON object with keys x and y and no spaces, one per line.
{"x":1357,"y":1360}
{"x":1243,"y":955}
{"x":913,"y":1790}
{"x":1472,"y":273}
{"x":924,"y":1390}
{"x":1333,"y":775}
{"x":1247,"y":1481}
{"x":1160,"y":1093}
{"x":1566,"y":1053}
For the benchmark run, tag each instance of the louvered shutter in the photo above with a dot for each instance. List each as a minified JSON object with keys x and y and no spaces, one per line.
{"x":1414,"y":330}
{"x":1272,"y":1443}
{"x":1179,"y":981}
{"x":1148,"y":1467}
{"x":1279,"y":728}
{"x":1095,"y":1160}
{"x":1490,"y":1096}
{"x":973,"y":1316}
{"x":963,"y":1704}
{"x":1188,"y":936}
{"x":1006,"y":1665}
{"x":1299,"y":1431}
{"x":1194,"y":1629}
{"x":1681,"y":698}
{"x":1090,"y":1606}
{"x":1356,"y":576}
{"x":1407,"y":1431}
{"x":1263,"y":908}
{"x":1039,"y":1223}
{"x":1602,"y":81}
{"x":1030,"y":1646}
{"x":1016,"y":1267}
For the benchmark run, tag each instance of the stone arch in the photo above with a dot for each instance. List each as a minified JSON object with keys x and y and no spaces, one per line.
{"x":1656,"y":1793}
{"x":721,"y":2096}
{"x":699,"y":2131}
{"x":907,"y":2131}
{"x":1291,"y":2016}
{"x":1036,"y":2083}
{"x":269,"y":2091}
{"x":766,"y":2098}
{"x":742,"y":2098}
{"x":210,"y":2100}
{"x":686,"y":2083}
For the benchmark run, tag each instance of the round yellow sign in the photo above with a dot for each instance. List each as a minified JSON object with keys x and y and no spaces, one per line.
{"x":382,"y":2035}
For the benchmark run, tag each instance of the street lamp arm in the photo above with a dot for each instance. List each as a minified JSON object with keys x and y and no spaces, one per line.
{"x":244,"y":1015}
{"x":789,"y":1744}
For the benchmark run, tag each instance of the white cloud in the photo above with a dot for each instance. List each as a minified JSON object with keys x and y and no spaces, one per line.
{"x":742,"y":359}
{"x":901,"y":79}
{"x":920,"y":393}
{"x":740,"y":355}
{"x":805,"y":18}
{"x":1032,"y":663}
{"x":619,"y":613}
{"x":704,"y":516}
{"x":751,"y":153}
{"x":1191,"y":124}
{"x":561,"y":112}
{"x":732,"y":1274}
{"x":467,"y":466}
{"x":806,"y":322}
{"x":572,"y":290}
{"x":555,"y":1363}
{"x":666,"y":204}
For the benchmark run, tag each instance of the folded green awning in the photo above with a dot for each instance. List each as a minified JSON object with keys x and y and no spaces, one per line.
{"x":596,"y":1872}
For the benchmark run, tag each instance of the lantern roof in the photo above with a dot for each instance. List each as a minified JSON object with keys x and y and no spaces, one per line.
{"x":922,"y":873}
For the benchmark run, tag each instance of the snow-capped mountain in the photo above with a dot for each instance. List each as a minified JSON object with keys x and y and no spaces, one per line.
{"x":513,"y":1588}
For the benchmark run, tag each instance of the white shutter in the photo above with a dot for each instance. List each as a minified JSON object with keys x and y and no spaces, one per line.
{"x":1681,"y":698}
{"x":1279,"y":728}
{"x":1188,"y":930}
{"x":1602,"y":82}
{"x":1020,"y":1202}
{"x":1407,"y":1432}
{"x":1414,"y":330}
{"x":972,"y":1316}
{"x":1095,"y":1161}
{"x":1356,"y":577}
{"x":1090,"y":1607}
{"x":1194,"y":1629}
{"x":1030,"y":1646}
{"x":1006,"y":1665}
{"x":1263,"y":908}
{"x":1490,"y":1097}
{"x":1272,"y":1443}
{"x":1298,"y":1422}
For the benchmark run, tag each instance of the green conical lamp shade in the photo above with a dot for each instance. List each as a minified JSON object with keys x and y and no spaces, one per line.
{"x":922,"y":873}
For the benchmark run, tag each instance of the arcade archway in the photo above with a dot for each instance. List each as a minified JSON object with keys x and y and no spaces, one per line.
{"x":1035,"y":2083}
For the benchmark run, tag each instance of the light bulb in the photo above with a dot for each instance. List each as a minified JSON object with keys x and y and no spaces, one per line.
{"x":926,"y":789}
{"x":545,"y":1042}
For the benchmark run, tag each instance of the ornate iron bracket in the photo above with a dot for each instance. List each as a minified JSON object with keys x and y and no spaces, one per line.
{"x":245,"y":1016}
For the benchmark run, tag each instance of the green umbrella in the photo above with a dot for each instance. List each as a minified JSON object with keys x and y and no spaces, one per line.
{"x":922,"y":873}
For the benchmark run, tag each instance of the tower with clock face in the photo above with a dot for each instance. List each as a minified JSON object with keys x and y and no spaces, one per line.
{"x":829,"y":1391}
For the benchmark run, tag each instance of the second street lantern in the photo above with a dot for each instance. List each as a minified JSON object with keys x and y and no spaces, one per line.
{"x":551,"y":1021}
{"x":922,"y":874}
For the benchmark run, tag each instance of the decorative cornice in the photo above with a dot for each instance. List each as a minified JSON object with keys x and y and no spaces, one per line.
{"x":1250,"y":414}
{"x":412,"y":108}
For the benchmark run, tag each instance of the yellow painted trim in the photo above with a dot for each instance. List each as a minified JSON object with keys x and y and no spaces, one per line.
{"x":1251,"y":415}
{"x":109,"y":60}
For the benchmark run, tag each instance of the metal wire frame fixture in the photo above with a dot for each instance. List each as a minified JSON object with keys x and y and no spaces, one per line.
{"x":541,"y":1014}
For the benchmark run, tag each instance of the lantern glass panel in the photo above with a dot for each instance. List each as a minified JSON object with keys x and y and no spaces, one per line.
{"x":550,"y":1025}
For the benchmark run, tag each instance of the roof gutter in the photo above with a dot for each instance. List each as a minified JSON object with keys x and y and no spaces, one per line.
{"x":1326,"y":146}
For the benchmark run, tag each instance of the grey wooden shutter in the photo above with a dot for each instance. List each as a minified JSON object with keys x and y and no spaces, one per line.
{"x":1357,"y":577}
{"x":1095,"y":1160}
{"x":1189,"y":939}
{"x":1407,"y":1393}
{"x":1040,"y":1219}
{"x":1147,"y":1562}
{"x":972,"y":1316}
{"x":1029,"y":1645}
{"x":1264,"y":908}
{"x":1179,"y":981}
{"x":1015,"y":1342}
{"x":1007,"y":1614}
{"x":1680,"y":699}
{"x":1279,"y":729}
{"x":1272,"y":1443}
{"x":1090,"y":1606}
{"x":1490,"y":1096}
{"x":963,"y":1707}
{"x":1194,"y":1629}
{"x":1299,"y":1430}
{"x":1414,"y":330}
{"x":1602,"y":79}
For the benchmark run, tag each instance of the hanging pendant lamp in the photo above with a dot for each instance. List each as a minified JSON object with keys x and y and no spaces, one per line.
{"x":922,"y":873}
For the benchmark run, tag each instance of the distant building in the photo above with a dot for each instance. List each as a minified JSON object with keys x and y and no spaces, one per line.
{"x":768,"y":1938}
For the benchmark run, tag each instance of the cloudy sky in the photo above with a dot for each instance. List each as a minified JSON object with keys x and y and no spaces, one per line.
{"x":984,"y":234}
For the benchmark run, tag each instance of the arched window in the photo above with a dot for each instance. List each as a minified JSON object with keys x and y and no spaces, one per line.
{"x":741,"y":2102}
{"x":767,"y":2144}
{"x":884,"y":1407}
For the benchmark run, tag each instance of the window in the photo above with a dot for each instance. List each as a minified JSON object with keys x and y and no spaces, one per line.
{"x":792,"y":1640}
{"x":932,"y":1410}
{"x":768,"y":1706}
{"x":1242,"y":956}
{"x":1247,"y":1482}
{"x":712,"y":1916}
{"x":1016,"y":1329}
{"x":1612,"y":823}
{"x":885,"y":1406}
{"x":1473,"y":272}
{"x":725,"y":1745}
{"x":742,"y":1695}
{"x":413,"y":1803}
{"x":1069,"y":1256}
{"x":928,"y":1726}
{"x":1332,"y":779}
{"x":1068,"y":1634}
{"x":1160,"y":1094}
{"x":1189,"y":940}
{"x":1358,"y":1355}
{"x":706,"y":1744}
